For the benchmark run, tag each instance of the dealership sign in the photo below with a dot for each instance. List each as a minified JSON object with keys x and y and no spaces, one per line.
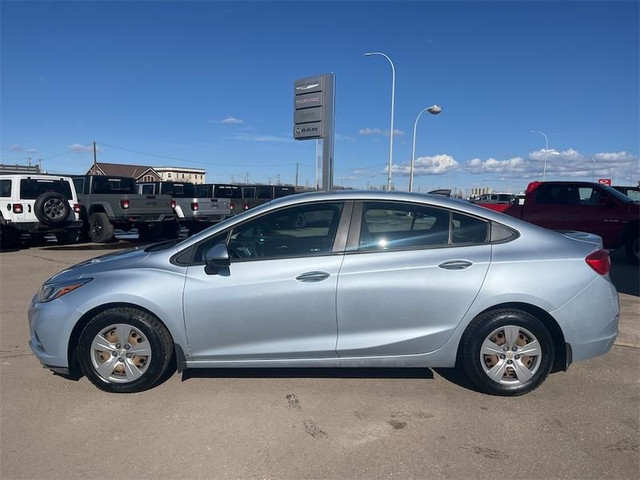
{"x":605,"y":181}
{"x":313,"y":107}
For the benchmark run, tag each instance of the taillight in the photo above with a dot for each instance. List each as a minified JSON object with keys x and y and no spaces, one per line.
{"x":124,"y":203}
{"x":77,"y":208}
{"x":600,"y":261}
{"x":173,"y":204}
{"x":231,"y":206}
{"x":194,"y":206}
{"x":246,"y":206}
{"x":17,"y":208}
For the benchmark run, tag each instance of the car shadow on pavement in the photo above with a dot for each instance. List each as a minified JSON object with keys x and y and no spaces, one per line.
{"x":398,"y":373}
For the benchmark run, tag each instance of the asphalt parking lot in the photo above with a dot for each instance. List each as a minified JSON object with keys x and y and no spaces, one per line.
{"x":382,"y":423}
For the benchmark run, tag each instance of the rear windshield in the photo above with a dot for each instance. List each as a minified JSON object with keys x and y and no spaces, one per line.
{"x":284,"y":191}
{"x":103,"y":184}
{"x":178,"y":190}
{"x":203,"y":191}
{"x":227,"y":191}
{"x":30,"y":189}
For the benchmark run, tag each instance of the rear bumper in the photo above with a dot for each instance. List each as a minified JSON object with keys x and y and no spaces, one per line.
{"x":37,"y":227}
{"x":144,"y":219}
{"x":590,"y":320}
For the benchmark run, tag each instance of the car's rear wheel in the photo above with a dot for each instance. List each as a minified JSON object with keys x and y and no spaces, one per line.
{"x":124,"y":350}
{"x":68,"y":237}
{"x":100,"y":228}
{"x":633,"y":249}
{"x":507,"y":352}
{"x":9,"y":237}
{"x":150,"y":232}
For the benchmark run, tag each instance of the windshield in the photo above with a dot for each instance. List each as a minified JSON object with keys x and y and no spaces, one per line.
{"x":616,"y":194}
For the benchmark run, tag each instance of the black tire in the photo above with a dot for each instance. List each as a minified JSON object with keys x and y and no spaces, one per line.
{"x":171,"y":229}
{"x":100,"y":228}
{"x":509,"y":372}
{"x":9,"y":237}
{"x":68,"y":237}
{"x":115,"y":369}
{"x":52,"y":209}
{"x":150,"y":232}
{"x":632,"y":248}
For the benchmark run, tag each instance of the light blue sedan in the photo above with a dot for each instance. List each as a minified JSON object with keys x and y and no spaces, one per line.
{"x":343,"y":279}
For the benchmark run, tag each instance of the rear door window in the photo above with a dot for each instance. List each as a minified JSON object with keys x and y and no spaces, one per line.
{"x":394,"y":226}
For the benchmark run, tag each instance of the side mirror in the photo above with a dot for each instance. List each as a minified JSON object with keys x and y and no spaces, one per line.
{"x":216,"y":259}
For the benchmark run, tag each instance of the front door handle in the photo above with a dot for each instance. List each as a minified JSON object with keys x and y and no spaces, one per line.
{"x":455,"y":265}
{"x":312,"y":276}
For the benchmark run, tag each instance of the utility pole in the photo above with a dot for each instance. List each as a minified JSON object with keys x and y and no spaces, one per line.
{"x":297,"y":165}
{"x":95,"y":157}
{"x":29,"y":160}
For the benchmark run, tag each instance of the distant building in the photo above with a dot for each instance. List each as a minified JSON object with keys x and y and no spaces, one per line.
{"x":141,"y":173}
{"x":35,"y":169}
{"x":144,"y":173}
{"x":181,"y":174}
{"x":477,"y":191}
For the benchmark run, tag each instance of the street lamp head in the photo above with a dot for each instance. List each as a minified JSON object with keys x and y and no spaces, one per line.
{"x":434,"y":109}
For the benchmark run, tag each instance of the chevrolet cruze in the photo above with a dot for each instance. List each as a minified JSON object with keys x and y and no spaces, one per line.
{"x":342,"y":279}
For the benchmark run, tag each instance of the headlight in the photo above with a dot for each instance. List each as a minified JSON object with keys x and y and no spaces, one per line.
{"x":51,"y":291}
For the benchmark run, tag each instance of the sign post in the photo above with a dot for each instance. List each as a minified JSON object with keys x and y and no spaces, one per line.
{"x":314,"y":118}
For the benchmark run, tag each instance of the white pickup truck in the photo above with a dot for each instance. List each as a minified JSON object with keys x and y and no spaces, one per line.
{"x":193,"y":212}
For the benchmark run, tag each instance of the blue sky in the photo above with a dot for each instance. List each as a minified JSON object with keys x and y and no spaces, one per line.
{"x":210,"y":84}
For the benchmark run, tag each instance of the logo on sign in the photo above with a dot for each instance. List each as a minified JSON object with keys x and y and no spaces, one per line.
{"x":308,"y":86}
{"x":604,"y":181}
{"x":301,"y":130}
{"x":307,"y":101}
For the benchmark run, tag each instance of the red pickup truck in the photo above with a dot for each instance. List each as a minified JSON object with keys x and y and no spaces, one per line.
{"x":582,"y":206}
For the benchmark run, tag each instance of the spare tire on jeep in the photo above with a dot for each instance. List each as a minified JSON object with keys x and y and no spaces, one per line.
{"x":52,"y":209}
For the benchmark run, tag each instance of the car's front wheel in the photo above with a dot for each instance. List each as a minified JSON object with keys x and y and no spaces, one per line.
{"x":124,"y":350}
{"x":507,"y":352}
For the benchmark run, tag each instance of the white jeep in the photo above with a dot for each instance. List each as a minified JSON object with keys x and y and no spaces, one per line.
{"x":38,"y":205}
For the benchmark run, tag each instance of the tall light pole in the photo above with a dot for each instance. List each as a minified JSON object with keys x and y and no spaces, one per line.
{"x":546,"y":152}
{"x":433,"y":110}
{"x":393,"y":95}
{"x":594,"y":167}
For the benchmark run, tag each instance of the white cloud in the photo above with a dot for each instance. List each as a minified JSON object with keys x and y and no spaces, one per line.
{"x":260,"y":138}
{"x":377,"y":131}
{"x":20,"y":148}
{"x":568,"y":163}
{"x":232,"y":121}
{"x":78,"y":148}
{"x":435,"y":165}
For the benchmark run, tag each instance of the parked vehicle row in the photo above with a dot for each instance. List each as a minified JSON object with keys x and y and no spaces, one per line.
{"x":193,"y":211}
{"x":93,"y":207}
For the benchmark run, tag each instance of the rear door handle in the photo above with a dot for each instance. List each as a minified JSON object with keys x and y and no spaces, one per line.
{"x":455,"y":265}
{"x":312,"y":276}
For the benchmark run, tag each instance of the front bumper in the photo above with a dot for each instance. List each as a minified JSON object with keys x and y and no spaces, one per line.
{"x":50,"y":327}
